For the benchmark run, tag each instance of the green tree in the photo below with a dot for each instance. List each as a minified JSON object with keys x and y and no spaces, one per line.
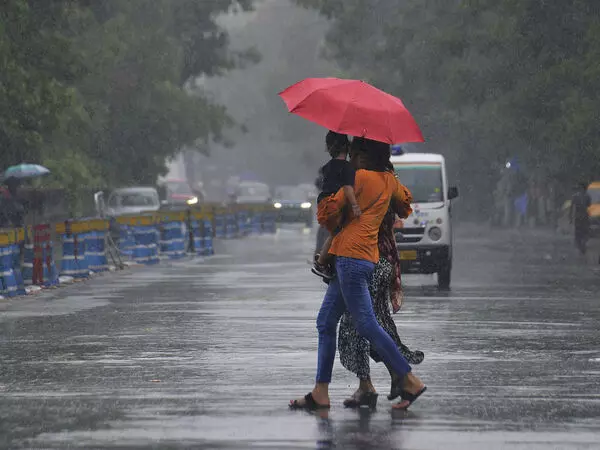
{"x":103,"y":91}
{"x":486,"y":79}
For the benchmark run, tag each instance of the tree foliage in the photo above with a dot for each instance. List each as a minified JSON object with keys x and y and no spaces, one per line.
{"x":487,"y":79}
{"x":102,"y":91}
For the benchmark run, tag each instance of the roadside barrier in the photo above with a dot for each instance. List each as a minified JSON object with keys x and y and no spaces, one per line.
{"x":256,"y":223}
{"x":201,"y":232}
{"x":243,"y":218}
{"x":145,"y":238}
{"x":231,"y":227}
{"x":172,"y":242}
{"x":126,"y":240}
{"x":208,"y":234}
{"x":96,"y":246}
{"x":11,"y":280}
{"x":220,"y":223}
{"x":44,"y":268}
{"x":83,"y":247}
{"x":29,"y":256}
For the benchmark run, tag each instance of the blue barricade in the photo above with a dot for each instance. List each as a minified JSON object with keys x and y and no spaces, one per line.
{"x":220,"y":225}
{"x":256,"y":226}
{"x":172,"y":242}
{"x":231,"y":225}
{"x":95,"y":251}
{"x":126,"y":241}
{"x":145,"y":250}
{"x":207,"y":232}
{"x":10,"y":285}
{"x":28,"y":256}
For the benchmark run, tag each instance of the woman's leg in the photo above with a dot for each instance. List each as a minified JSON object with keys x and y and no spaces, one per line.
{"x":353,"y":348}
{"x":353,"y":276}
{"x":329,"y":316}
{"x":330,"y":313}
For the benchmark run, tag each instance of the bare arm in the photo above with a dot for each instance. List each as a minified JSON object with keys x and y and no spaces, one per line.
{"x":351,"y":197}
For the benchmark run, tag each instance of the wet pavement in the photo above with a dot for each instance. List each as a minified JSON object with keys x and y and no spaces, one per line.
{"x":207,"y":353}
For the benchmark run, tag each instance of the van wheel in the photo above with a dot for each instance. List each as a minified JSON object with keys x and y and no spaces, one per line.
{"x":444,"y":276}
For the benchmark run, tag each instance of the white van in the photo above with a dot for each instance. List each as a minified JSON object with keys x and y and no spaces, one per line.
{"x":425,"y":239}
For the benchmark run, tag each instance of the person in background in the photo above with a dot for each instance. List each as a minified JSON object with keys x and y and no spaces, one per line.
{"x":12,"y":212}
{"x":580,"y":218}
{"x":337,"y":174}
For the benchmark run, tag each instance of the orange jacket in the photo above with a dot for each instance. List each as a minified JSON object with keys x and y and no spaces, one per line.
{"x":375,"y":192}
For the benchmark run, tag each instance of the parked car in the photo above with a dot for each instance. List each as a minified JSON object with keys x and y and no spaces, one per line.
{"x":131,"y":200}
{"x":252,"y":192}
{"x":177,"y":193}
{"x":293,"y":204}
{"x":311,"y":191}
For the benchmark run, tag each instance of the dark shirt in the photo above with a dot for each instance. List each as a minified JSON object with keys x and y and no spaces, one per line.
{"x":335,"y":174}
{"x":580,"y":204}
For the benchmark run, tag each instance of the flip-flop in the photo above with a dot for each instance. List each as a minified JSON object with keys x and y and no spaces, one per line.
{"x":309,"y":404}
{"x":410,"y":398}
{"x":368,"y":399}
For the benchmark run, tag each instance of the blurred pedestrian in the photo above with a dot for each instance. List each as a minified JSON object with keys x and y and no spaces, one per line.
{"x":12,"y":211}
{"x":580,"y":218}
{"x":356,"y":252}
{"x":385,"y":288}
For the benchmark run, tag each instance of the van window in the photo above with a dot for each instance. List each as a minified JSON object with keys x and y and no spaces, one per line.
{"x":423,"y":180}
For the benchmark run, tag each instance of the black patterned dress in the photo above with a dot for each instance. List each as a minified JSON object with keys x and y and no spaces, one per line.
{"x":354,"y":349}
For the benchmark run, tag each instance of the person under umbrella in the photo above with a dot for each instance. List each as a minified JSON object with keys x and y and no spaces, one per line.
{"x":356,"y":251}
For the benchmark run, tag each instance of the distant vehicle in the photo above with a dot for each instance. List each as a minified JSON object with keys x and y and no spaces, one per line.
{"x":311,"y":191}
{"x":594,"y":209}
{"x":124,"y":201}
{"x":178,"y":193}
{"x":293,"y":204}
{"x":252,"y":192}
{"x":425,"y":239}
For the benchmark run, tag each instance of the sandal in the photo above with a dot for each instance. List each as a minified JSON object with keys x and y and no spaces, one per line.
{"x":396,"y":389}
{"x":323,"y":271}
{"x":309,"y":404}
{"x":410,"y":398}
{"x":360,"y":399}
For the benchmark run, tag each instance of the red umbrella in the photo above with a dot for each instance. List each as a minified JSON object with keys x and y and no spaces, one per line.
{"x":352,"y":107}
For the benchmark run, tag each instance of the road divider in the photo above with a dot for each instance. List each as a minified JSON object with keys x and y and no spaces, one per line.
{"x":42,"y":255}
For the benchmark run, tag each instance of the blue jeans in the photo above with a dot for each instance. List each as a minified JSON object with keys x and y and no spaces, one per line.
{"x":350,"y":291}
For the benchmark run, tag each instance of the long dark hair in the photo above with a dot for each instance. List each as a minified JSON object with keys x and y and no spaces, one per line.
{"x":377,"y":154}
{"x":387,"y":247}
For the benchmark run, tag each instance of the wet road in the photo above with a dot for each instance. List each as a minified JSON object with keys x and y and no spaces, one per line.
{"x":206,"y":354}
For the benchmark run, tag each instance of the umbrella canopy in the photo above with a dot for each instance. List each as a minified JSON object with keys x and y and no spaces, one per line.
{"x":21,"y":171}
{"x":352,"y":107}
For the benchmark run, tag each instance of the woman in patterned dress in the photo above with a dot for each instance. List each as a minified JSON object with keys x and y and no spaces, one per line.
{"x":386,"y":291}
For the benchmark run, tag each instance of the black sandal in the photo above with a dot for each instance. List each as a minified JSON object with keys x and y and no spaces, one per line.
{"x":410,"y":398}
{"x":368,"y":399}
{"x":395,"y":390}
{"x":309,"y":404}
